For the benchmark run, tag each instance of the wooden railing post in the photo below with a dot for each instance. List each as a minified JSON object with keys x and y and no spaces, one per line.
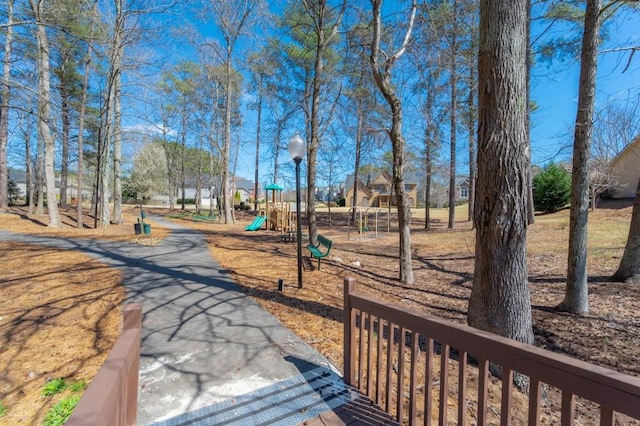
{"x":132,"y":320}
{"x":349,"y":337}
{"x":112,"y":396}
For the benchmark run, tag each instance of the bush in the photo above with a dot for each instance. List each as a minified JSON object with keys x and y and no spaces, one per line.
{"x":186,"y":201}
{"x":551,"y":188}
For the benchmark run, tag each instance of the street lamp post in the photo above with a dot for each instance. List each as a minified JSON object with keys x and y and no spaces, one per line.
{"x":297,"y":150}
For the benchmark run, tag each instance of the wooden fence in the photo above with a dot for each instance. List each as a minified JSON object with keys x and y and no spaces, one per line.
{"x":399,"y":357}
{"x":112,"y":396}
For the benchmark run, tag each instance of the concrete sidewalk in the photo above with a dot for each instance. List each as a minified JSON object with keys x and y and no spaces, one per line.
{"x":203,"y":340}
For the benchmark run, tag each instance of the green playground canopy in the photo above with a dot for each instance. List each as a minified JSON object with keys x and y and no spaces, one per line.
{"x":274,"y":187}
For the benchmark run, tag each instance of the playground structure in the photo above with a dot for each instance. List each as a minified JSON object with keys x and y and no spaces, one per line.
{"x":363,"y":221}
{"x":279,"y":214}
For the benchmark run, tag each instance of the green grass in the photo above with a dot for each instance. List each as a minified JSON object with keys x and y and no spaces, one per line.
{"x":78,"y":386}
{"x":54,"y":387}
{"x":3,"y":409}
{"x":60,"y":412}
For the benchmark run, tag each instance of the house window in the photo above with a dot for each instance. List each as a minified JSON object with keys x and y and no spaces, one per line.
{"x":464,"y":192}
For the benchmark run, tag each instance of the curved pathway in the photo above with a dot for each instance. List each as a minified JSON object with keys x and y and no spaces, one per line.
{"x":203,"y":340}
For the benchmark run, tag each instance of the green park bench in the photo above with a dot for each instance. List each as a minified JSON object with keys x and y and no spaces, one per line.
{"x":320,"y":250}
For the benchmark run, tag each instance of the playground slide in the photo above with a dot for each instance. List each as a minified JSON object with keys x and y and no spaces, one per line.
{"x":252,"y":224}
{"x":256,"y":224}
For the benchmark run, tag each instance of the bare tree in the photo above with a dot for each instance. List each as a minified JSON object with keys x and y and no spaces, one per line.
{"x":232,"y":18}
{"x":453,"y":119}
{"x":576,"y":298}
{"x":325,"y":30}
{"x":81,"y":119}
{"x":44,"y":111}
{"x":381,"y":70}
{"x":4,"y":106}
{"x":499,"y":300}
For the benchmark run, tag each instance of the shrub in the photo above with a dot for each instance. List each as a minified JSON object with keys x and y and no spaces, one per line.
{"x":551,"y":188}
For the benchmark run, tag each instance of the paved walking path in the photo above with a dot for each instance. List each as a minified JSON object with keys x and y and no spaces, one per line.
{"x":204,"y":343}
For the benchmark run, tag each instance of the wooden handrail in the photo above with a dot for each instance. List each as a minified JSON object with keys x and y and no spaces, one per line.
{"x":111,"y":399}
{"x":613,"y":391}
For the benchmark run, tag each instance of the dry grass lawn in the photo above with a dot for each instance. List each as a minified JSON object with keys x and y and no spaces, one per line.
{"x":61,"y":311}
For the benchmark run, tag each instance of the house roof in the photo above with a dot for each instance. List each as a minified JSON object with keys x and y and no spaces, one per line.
{"x":462,"y":179}
{"x":626,"y":150}
{"x":361,"y":186}
{"x":244,"y":183}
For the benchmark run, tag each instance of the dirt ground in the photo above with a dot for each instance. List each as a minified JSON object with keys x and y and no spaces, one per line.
{"x":443,"y":266}
{"x":60,"y":313}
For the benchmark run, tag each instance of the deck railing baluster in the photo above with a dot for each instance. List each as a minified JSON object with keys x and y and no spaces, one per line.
{"x":507,"y":396}
{"x":400,"y":394}
{"x":390,"y":367}
{"x":413,"y":383}
{"x":428,"y":383}
{"x":462,"y":388}
{"x":568,"y":404}
{"x":607,"y":416}
{"x":483,"y":391}
{"x":369,"y":355}
{"x":534,"y":402}
{"x":444,"y":382}
{"x":361,"y":372}
{"x":379,"y":362}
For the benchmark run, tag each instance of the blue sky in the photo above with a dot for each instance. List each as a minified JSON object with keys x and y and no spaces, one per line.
{"x":554,"y":89}
{"x":557,"y":94}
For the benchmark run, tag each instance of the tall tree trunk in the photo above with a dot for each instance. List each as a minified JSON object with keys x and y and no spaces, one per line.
{"x":29,"y":168}
{"x":29,"y":163}
{"x":65,"y":110}
{"x":256,"y":175}
{"x":576,"y":297}
{"x":276,"y":155}
{"x":499,"y":300}
{"x":427,"y":186}
{"x":103,"y":177}
{"x":183,"y":153}
{"x":314,"y":142}
{"x":531,"y":208}
{"x":118,"y":50}
{"x":428,"y":147}
{"x":360,"y":121}
{"x":227,"y":196}
{"x":453,"y":81}
{"x":382,"y":79}
{"x":629,"y":268}
{"x":40,"y":175}
{"x":44,"y":112}
{"x":117,"y":149}
{"x":81,"y":120}
{"x":471,"y":130}
{"x":4,"y":108}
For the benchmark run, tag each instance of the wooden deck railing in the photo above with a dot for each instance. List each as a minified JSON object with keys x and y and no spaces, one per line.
{"x":391,"y":354}
{"x":112,"y":396}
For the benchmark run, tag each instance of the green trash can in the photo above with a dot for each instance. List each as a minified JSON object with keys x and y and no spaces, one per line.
{"x":146,"y":228}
